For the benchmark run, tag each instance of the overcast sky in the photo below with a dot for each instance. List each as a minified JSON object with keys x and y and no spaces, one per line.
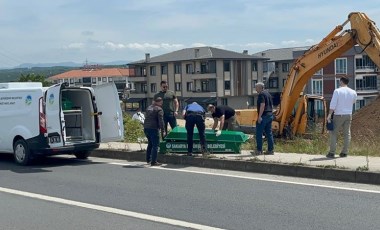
{"x":52,"y":31}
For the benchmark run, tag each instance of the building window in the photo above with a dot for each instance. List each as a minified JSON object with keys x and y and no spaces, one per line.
{"x":153,"y":87}
{"x":205,"y":86}
{"x":273,"y":82}
{"x":143,"y":88}
{"x":208,"y":67}
{"x":269,"y":66}
{"x":71,"y":80}
{"x":211,"y":67}
{"x":104,"y":79}
{"x":164,"y":69}
{"x":317,"y":86}
{"x":152,"y":71}
{"x":337,"y":82}
{"x":87,"y":80}
{"x":226,"y":66}
{"x":178,"y":86}
{"x":359,"y":104}
{"x":254,"y":66}
{"x":227,"y":85}
{"x":93,"y":80}
{"x":341,"y":66}
{"x":99,"y":79}
{"x":110,"y":79}
{"x":254,"y":82}
{"x":177,"y":68}
{"x":189,"y":68}
{"x":364,"y":63}
{"x":224,"y":101}
{"x":189,"y":86}
{"x":366,"y":83}
{"x":285,"y":67}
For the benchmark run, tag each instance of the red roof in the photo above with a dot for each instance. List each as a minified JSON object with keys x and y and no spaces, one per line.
{"x":111,"y":72}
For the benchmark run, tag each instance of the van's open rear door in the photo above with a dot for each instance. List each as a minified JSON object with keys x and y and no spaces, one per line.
{"x":54,"y":116}
{"x":111,"y":120}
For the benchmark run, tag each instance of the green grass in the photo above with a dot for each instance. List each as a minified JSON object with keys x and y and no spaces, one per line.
{"x":319,"y":144}
{"x":315,"y":144}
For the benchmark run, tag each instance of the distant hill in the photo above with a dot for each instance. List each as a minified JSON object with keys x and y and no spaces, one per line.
{"x":69,"y":64}
{"x":9,"y":75}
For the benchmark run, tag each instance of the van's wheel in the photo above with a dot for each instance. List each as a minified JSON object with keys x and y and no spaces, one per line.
{"x":21,"y":152}
{"x":82,"y":154}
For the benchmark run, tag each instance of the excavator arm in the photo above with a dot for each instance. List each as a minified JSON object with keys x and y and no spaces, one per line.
{"x":363,"y":32}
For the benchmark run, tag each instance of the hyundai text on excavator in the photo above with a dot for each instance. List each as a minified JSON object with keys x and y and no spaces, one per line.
{"x":292,"y":115}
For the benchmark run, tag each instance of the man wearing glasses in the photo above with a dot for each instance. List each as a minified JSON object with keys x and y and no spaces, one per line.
{"x":170,"y":105}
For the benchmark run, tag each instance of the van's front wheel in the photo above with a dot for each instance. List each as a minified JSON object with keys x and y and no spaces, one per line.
{"x":82,"y":154}
{"x":21,"y":152}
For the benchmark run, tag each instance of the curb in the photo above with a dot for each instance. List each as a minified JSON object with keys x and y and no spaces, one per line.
{"x":250,"y":166}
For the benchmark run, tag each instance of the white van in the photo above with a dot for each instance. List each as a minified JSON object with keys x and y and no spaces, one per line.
{"x":40,"y":121}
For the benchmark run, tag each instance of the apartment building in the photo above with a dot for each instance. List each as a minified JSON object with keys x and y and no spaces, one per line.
{"x":206,"y":75}
{"x":91,"y":75}
{"x":355,"y":64}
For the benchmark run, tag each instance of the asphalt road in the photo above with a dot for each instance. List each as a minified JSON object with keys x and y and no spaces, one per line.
{"x":65,"y":193}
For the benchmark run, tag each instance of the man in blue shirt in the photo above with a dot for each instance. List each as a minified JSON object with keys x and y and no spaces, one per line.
{"x":194,"y":114}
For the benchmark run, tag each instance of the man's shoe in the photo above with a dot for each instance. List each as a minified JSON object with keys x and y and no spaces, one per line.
{"x":343,"y":154}
{"x":189,"y":154}
{"x":330,"y":155}
{"x":256,"y":153}
{"x":205,"y":153}
{"x":155,"y":164}
{"x":269,"y":153}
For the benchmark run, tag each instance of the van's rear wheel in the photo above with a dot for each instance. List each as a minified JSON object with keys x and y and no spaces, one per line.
{"x":82,"y":154}
{"x":21,"y":152}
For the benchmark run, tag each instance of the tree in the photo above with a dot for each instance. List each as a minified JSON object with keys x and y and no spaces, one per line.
{"x":34,"y":78}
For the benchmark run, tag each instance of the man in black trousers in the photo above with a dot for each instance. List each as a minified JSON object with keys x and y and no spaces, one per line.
{"x":194,"y":114}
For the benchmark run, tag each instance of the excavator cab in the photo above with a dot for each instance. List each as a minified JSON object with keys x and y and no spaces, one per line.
{"x":308,"y":117}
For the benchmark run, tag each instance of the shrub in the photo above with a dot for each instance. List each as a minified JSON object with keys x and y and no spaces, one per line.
{"x":133,"y":130}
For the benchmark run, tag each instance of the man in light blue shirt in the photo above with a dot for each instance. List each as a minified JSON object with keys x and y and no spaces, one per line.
{"x":194,"y":114}
{"x":341,"y":105}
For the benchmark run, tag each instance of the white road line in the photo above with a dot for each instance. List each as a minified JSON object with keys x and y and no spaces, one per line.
{"x":257,"y":178}
{"x":109,"y":209}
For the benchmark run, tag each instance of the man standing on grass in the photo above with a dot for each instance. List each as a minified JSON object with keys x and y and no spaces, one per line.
{"x":341,"y":105}
{"x":264,"y":120}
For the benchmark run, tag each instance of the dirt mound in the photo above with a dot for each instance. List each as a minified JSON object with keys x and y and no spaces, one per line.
{"x":366,"y":122}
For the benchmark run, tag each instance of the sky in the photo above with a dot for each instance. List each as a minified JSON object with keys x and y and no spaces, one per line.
{"x":101,"y":31}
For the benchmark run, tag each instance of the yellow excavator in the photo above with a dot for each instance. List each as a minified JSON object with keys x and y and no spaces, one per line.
{"x":292,"y":115}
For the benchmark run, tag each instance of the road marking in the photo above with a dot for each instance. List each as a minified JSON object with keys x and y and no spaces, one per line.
{"x":109,"y":209}
{"x":257,"y":178}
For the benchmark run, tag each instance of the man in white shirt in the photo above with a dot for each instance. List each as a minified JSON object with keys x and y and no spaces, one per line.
{"x":139,"y":116}
{"x":341,"y":105}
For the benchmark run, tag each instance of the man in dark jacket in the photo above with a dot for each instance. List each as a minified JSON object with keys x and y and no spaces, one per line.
{"x":194,"y":114}
{"x":264,"y":120}
{"x":226,"y":116}
{"x":154,"y":122}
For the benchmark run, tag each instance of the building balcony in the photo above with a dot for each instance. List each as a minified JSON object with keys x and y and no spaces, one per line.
{"x":366,"y":69}
{"x":137,"y":79}
{"x":200,"y":75}
{"x":138,"y":94}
